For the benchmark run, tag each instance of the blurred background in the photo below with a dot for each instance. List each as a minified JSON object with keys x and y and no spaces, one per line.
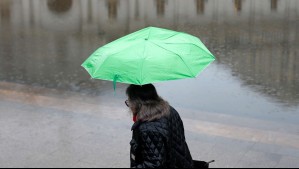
{"x":248,"y":97}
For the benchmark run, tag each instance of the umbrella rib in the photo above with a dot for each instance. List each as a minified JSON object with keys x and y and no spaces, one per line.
{"x":142,"y":63}
{"x":176,"y":55}
{"x":108,"y":56}
{"x":143,"y":56}
{"x":174,"y":35}
{"x":97,"y":69}
{"x":193,"y":45}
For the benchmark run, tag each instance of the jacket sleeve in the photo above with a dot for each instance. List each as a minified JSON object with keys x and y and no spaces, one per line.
{"x":153,"y":150}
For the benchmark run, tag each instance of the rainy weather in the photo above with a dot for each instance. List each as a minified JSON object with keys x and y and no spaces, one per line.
{"x":149,"y":83}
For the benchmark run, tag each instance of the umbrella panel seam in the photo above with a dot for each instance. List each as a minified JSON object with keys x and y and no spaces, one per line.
{"x":178,"y":56}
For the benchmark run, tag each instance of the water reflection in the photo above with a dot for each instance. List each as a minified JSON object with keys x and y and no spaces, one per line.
{"x":238,"y":5}
{"x":59,"y":6}
{"x":5,"y":6}
{"x":137,"y":8}
{"x":260,"y":50}
{"x":274,"y":5}
{"x":200,"y":6}
{"x":112,"y":8}
{"x":267,"y":69}
{"x":160,"y":7}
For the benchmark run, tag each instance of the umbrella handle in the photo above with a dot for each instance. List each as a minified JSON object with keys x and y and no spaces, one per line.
{"x":211,"y":162}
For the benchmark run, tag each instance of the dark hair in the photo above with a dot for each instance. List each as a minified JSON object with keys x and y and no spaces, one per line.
{"x":145,"y":102}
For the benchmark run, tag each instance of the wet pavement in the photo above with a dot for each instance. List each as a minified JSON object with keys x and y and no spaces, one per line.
{"x":41,"y":128}
{"x":242,"y":111}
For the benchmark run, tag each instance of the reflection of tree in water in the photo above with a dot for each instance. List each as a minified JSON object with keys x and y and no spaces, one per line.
{"x":60,"y":6}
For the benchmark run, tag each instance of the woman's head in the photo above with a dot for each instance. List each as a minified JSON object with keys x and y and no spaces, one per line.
{"x":145,"y":102}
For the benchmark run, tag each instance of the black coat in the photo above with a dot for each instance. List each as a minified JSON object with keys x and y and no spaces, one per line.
{"x":160,"y":144}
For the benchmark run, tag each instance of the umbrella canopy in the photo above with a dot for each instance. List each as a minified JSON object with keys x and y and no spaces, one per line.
{"x":148,"y":56}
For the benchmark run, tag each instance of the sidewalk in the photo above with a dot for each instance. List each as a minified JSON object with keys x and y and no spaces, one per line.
{"x":48,"y":128}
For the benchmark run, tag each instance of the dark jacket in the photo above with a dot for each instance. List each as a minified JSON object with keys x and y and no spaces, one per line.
{"x":160,"y":144}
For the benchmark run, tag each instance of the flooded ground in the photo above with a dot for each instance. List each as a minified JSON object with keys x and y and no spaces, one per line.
{"x":254,"y":83}
{"x":43,"y":43}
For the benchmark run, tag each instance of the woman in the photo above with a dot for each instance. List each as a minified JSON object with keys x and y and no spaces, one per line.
{"x":158,"y":133}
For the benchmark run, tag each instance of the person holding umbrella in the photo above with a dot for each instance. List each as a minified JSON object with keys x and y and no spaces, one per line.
{"x":158,"y":133}
{"x":144,"y":57}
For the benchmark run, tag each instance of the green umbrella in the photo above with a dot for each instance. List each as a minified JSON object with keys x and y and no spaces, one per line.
{"x":148,"y":56}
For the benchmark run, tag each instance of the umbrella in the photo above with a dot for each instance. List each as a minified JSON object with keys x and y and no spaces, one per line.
{"x":149,"y":55}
